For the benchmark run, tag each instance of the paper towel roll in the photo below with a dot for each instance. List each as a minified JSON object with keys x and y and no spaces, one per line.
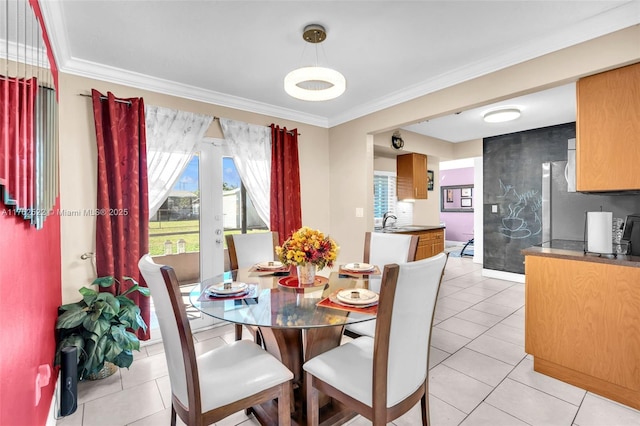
{"x":599,"y":232}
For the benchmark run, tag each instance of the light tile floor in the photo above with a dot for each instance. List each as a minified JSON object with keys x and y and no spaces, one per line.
{"x":480,"y":374}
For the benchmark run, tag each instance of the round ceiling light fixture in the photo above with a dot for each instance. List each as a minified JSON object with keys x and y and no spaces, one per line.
{"x":314,"y":83}
{"x":502,"y":114}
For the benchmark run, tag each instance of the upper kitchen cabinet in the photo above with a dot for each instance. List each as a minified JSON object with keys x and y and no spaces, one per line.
{"x":411,"y":172}
{"x":608,"y":130}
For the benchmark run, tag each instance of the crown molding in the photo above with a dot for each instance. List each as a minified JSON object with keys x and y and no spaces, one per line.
{"x":622,"y":17}
{"x":141,"y":81}
{"x":56,"y":30}
{"x":615,"y":19}
{"x":34,"y":57}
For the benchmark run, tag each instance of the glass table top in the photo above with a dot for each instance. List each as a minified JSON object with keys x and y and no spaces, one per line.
{"x":278,"y":305}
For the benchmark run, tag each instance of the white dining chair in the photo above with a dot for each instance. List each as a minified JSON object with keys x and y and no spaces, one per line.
{"x":245,"y":250}
{"x":211,"y":386}
{"x":382,"y":249}
{"x":383,"y":377}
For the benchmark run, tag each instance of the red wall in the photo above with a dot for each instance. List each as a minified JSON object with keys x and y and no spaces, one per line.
{"x":30,"y":293}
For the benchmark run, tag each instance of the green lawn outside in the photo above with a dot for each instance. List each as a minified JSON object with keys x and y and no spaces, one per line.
{"x":159,"y":232}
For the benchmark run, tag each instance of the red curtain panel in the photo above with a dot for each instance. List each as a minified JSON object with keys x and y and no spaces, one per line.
{"x":122,"y":214}
{"x":286,"y":210}
{"x":17,"y":100}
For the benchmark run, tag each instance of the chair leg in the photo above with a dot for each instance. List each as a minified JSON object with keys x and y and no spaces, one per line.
{"x":258,"y":338}
{"x":284,"y":401}
{"x":173,"y":415}
{"x":424,"y":405}
{"x":313,"y":415}
{"x":238,"y":328}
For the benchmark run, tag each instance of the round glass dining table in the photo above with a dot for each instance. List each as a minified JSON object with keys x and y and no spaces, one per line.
{"x":295,"y":323}
{"x":275,"y":300}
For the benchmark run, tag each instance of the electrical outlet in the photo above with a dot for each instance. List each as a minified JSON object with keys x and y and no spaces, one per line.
{"x":42,"y":379}
{"x":494,"y":208}
{"x":359,"y":212}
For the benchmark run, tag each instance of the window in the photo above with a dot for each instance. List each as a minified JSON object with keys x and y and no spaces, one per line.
{"x":386,"y":200}
{"x":176,"y":226}
{"x":384,"y":194}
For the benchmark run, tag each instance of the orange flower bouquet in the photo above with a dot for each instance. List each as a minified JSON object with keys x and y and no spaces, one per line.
{"x":308,"y":246}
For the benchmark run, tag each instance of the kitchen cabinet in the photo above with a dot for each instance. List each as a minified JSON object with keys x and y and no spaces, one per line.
{"x":582,"y":323}
{"x":608,"y":130}
{"x":430,"y":242}
{"x":411,"y":176}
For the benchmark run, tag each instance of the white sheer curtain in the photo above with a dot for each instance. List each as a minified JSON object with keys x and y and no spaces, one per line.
{"x":250,"y":147}
{"x":172,"y":137}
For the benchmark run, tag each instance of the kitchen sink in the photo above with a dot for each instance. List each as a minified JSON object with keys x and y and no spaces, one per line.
{"x":390,"y":229}
{"x":409,"y":228}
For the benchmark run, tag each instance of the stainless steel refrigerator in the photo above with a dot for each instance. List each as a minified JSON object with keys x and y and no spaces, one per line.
{"x":563,"y":212}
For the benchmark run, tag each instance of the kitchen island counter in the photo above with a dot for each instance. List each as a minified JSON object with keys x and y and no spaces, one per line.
{"x":582,"y":320}
{"x":573,"y":250}
{"x":407,"y":229}
{"x":431,"y":238}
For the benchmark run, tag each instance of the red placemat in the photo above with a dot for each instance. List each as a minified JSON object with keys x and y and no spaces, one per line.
{"x":327,"y":302}
{"x":292,"y":282}
{"x":375,"y":271}
{"x":252,"y":293}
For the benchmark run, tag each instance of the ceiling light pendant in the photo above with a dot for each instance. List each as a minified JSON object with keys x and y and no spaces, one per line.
{"x":501,"y":115}
{"x":314,"y":83}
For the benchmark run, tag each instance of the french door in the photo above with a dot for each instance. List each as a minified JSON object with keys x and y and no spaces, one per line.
{"x":211,"y":215}
{"x":211,"y":219}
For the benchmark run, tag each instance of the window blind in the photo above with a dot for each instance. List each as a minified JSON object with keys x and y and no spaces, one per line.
{"x":386,"y":200}
{"x":384,"y":194}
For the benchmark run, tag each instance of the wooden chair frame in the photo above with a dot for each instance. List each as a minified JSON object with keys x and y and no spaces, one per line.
{"x":193,"y":415}
{"x":233,"y":256}
{"x":378,"y":413}
{"x":233,"y":265}
{"x":411,"y":255}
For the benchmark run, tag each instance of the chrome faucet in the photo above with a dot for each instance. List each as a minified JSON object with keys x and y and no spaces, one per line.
{"x":386,"y":217}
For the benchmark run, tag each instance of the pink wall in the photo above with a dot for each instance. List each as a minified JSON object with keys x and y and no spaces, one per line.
{"x":459,"y":224}
{"x":30,"y":293}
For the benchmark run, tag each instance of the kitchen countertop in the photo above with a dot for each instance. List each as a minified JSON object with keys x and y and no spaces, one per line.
{"x":407,"y":229}
{"x":574,"y":250}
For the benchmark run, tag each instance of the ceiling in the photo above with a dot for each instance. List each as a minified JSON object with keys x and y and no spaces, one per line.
{"x":236,"y":53}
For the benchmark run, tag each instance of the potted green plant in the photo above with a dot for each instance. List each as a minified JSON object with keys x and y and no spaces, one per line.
{"x":98,"y":326}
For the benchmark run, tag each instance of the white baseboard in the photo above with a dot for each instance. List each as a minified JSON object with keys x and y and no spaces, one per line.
{"x":53,"y":405}
{"x":502,"y":275}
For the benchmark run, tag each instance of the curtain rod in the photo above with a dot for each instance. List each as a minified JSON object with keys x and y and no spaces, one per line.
{"x":129,"y":103}
{"x":102,"y":97}
{"x":288,"y":131}
{"x":40,"y":84}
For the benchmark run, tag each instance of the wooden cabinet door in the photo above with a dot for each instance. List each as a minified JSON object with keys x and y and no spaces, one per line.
{"x":608,"y":130}
{"x":584,"y":316}
{"x":411,"y":172}
{"x":430,"y":244}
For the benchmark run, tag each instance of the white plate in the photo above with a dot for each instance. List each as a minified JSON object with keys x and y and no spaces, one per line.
{"x":272,"y":264}
{"x":364,"y":296}
{"x":219,"y":288}
{"x":227,"y":296}
{"x":359,"y":266}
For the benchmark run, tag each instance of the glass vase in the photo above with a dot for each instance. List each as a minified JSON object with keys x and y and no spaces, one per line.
{"x":306,"y":273}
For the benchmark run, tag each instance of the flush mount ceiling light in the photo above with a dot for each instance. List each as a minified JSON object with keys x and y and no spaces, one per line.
{"x":501,"y":115}
{"x":314,"y":83}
